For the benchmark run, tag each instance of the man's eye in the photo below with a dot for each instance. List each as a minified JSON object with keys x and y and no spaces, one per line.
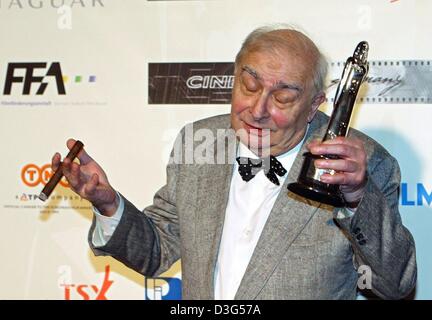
{"x":284,"y":97}
{"x":251,"y":87}
{"x":281,"y":99}
{"x":249,"y":83}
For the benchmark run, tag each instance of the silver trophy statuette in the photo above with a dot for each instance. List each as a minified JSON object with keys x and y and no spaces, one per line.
{"x":308,"y":183}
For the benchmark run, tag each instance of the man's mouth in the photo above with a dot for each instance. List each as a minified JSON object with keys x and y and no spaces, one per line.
{"x":260,"y":132}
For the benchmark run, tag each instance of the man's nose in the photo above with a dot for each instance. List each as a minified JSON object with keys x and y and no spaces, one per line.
{"x":259,"y":110}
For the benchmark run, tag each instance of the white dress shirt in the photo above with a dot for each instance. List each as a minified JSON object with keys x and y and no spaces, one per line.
{"x":249,"y":205}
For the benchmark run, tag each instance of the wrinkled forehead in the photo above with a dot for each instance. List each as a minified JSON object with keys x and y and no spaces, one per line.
{"x":277,"y":65}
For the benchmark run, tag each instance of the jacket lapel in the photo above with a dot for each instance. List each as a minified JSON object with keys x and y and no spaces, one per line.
{"x":212,"y":195}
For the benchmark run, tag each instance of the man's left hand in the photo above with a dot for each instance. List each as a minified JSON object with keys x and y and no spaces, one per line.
{"x":350,"y":168}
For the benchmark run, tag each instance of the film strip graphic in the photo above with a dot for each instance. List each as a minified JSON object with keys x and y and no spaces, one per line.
{"x":388,"y":81}
{"x":394,"y":82}
{"x":190,"y":83}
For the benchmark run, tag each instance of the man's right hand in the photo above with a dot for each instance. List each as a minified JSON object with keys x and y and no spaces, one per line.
{"x":88,"y":180}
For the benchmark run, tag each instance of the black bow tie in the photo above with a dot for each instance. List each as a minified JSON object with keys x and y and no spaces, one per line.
{"x":248,"y":168}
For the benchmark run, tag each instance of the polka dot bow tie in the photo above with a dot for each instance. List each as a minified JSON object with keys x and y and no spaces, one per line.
{"x":248,"y":168}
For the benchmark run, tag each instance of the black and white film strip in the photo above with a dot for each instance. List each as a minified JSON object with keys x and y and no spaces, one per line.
{"x":388,"y":81}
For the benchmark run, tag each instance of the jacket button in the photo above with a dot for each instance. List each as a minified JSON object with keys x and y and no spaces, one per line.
{"x":357,"y":230}
{"x":360,"y":236}
{"x":362,"y":242}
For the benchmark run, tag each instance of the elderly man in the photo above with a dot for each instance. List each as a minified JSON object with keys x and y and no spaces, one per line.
{"x":242,"y":235}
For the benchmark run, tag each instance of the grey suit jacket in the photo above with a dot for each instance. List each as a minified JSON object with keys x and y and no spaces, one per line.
{"x":304,"y":252}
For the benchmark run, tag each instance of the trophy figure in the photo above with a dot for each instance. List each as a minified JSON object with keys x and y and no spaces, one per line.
{"x":308,"y":183}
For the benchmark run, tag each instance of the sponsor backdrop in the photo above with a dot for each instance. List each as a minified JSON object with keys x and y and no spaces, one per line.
{"x":125,"y":76}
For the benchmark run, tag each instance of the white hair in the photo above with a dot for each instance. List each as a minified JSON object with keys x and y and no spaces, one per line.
{"x":266,"y":36}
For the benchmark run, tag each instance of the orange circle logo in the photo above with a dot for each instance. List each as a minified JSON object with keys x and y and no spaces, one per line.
{"x":32,"y":175}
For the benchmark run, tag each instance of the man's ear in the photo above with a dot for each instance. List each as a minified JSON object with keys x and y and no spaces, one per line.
{"x":316,"y":102}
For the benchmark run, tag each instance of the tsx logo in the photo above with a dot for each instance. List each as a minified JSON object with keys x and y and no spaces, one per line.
{"x":162,"y":288}
{"x":87,"y":291}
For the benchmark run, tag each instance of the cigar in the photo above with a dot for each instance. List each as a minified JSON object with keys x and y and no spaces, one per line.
{"x":56,"y":177}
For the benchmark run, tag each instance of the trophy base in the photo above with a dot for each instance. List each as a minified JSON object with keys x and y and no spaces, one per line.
{"x":317,"y":194}
{"x":308,"y":184}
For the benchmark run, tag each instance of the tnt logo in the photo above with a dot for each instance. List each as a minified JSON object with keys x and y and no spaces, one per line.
{"x":85,"y":291}
{"x":33,"y":175}
{"x":162,"y":289}
{"x":24,"y":72}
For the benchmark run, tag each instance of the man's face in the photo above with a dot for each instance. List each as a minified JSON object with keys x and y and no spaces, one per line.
{"x":272,"y":98}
